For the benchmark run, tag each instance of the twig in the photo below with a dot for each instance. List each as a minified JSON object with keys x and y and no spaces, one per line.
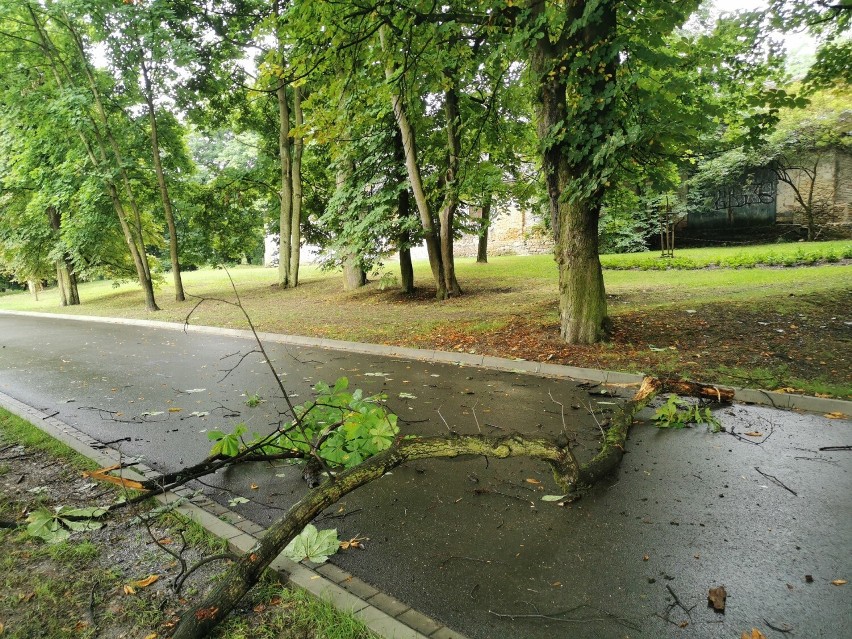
{"x":558,"y":616}
{"x":90,"y":612}
{"x":836,"y":448}
{"x":777,"y":481}
{"x":465,"y":558}
{"x":679,"y":603}
{"x":438,"y":410}
{"x":785,"y":628}
{"x":473,"y":410}
{"x":562,"y":410}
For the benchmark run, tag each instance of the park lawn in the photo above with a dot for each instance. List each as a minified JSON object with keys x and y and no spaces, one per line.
{"x":771,"y":327}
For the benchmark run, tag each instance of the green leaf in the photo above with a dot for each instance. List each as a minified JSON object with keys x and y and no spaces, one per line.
{"x":553,"y":497}
{"x":313,"y":545}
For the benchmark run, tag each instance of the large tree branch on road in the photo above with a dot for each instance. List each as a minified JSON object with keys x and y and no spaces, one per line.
{"x":568,"y":475}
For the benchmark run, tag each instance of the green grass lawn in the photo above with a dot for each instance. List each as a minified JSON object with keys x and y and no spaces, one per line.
{"x":508,"y":291}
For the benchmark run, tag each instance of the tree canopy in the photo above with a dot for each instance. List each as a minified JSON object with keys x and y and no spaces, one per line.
{"x":141,"y":136}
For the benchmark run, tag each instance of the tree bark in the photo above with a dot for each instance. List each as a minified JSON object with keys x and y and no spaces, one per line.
{"x":296,"y":177}
{"x":582,"y":297}
{"x":484,"y":225}
{"x":430,"y":236}
{"x":165,"y":198}
{"x":403,"y":212}
{"x":451,"y":199}
{"x":66,"y":279}
{"x":285,"y":193}
{"x":354,"y":276}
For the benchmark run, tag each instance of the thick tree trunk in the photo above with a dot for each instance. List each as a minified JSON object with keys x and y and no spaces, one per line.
{"x":484,"y":224}
{"x":60,"y":284}
{"x":296,"y":176}
{"x":430,"y":235}
{"x":451,"y":199}
{"x":582,"y":297}
{"x":354,"y":276}
{"x":165,"y":198}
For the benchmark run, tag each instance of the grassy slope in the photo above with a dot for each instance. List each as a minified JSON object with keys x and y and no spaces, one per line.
{"x":496,"y":294}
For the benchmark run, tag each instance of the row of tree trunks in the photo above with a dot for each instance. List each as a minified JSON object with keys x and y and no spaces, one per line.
{"x":134,"y":241}
{"x":66,"y":278}
{"x":440,"y":254}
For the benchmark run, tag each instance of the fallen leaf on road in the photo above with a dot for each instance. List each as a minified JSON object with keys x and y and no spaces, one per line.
{"x":753,"y":433}
{"x":533,"y":481}
{"x":716,"y":598}
{"x":355,"y":542}
{"x":175,"y":409}
{"x":835,"y":415}
{"x":839,"y":582}
{"x":129,"y":590}
{"x":254,"y":486}
{"x":144,"y":583}
{"x":754,"y":634}
{"x":153,"y":635}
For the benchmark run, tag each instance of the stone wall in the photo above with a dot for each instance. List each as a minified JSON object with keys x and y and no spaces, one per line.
{"x":832,"y":187}
{"x":513,"y":232}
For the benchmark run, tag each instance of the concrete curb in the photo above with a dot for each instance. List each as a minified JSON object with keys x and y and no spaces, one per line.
{"x":788,"y":401}
{"x":381,"y":613}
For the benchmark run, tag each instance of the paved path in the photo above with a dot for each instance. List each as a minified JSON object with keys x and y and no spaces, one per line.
{"x":470,"y":541}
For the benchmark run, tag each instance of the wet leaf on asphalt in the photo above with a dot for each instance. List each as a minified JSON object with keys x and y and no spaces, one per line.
{"x":716,"y":598}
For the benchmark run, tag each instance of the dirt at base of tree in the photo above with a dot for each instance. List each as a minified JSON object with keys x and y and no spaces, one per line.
{"x":742,"y":344}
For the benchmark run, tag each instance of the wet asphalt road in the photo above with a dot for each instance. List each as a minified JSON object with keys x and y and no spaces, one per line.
{"x":470,"y":542}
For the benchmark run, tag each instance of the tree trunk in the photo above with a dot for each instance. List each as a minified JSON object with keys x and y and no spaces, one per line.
{"x":66,"y":280}
{"x":484,"y":225}
{"x":582,"y":297}
{"x":165,"y":198}
{"x":354,"y":276}
{"x":430,"y":236}
{"x":34,"y":287}
{"x":296,"y":176}
{"x":286,"y":193}
{"x":60,"y":284}
{"x":451,"y":199}
{"x":403,"y":212}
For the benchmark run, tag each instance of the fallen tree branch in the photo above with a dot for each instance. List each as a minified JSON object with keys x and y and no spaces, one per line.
{"x":244,"y":573}
{"x":568,"y":475}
